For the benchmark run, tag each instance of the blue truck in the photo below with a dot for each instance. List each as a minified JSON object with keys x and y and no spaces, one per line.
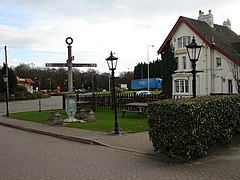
{"x":139,"y":84}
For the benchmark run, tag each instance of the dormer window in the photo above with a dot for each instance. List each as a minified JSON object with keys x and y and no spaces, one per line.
{"x":184,"y":40}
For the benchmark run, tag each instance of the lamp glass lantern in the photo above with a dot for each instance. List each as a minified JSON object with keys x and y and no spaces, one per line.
{"x":112,"y":61}
{"x":193,"y":50}
{"x":5,"y":78}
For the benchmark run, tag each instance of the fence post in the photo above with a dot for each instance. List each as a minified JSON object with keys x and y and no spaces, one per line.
{"x":93,"y":104}
{"x":63,"y":101}
{"x":39,"y":106}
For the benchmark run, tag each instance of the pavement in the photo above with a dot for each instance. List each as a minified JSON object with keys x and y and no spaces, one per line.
{"x":131,"y":142}
{"x":226,"y":156}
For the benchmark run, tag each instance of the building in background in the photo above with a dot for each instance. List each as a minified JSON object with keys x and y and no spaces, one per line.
{"x":26,"y":82}
{"x":219,"y":59}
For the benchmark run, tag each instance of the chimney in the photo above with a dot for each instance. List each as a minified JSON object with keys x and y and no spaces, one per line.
{"x":208,"y":18}
{"x":227,"y":24}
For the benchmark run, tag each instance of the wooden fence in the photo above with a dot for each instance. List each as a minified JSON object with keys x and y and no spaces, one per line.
{"x":106,"y":102}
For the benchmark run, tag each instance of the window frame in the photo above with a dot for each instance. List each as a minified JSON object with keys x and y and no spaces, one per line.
{"x":181,"y":86}
{"x":218,"y":62}
{"x":177,"y":61}
{"x":182,"y":41}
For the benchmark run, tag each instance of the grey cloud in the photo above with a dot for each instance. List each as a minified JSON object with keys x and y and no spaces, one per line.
{"x":98,"y":11}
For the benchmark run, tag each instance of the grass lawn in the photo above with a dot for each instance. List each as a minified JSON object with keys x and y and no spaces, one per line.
{"x":128,"y":92}
{"x":132,"y":122}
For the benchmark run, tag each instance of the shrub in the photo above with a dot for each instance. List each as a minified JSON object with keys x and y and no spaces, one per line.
{"x":20,"y":88}
{"x":189,"y":127}
{"x":2,"y":97}
{"x":19,"y":95}
{"x":12,"y":97}
{"x":118,"y":90}
{"x":28,"y":96}
{"x":46,"y":96}
{"x":34,"y":95}
{"x":38,"y":95}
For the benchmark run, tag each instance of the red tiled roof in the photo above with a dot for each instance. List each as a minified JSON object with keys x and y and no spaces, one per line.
{"x":29,"y":80}
{"x":25,"y":80}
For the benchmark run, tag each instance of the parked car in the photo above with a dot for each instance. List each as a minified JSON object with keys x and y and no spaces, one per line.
{"x":80,"y":90}
{"x":143,"y":93}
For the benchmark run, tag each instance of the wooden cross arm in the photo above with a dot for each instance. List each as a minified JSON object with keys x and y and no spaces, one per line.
{"x":84,"y":65}
{"x":73,"y":65}
{"x":56,"y":65}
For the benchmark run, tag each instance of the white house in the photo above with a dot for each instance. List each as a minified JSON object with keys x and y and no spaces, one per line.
{"x":219,"y":59}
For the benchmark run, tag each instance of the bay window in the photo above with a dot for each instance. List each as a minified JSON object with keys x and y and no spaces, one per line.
{"x":181,"y":86}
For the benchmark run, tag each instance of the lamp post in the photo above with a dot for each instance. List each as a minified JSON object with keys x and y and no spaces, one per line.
{"x":148,"y":65}
{"x":5,"y":80}
{"x":50,"y":85}
{"x":193,"y":51}
{"x":109,"y":83}
{"x":112,"y":64}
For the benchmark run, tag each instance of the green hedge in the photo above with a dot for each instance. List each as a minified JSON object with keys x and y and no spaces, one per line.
{"x":189,"y":127}
{"x":22,"y":95}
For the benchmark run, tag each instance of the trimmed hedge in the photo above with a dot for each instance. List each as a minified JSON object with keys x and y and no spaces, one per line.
{"x":189,"y":127}
{"x":24,"y":96}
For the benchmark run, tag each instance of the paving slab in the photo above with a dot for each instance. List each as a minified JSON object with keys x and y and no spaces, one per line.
{"x":134,"y":142}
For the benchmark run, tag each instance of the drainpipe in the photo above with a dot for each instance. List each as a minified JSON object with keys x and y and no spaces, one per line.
{"x":206,"y":69}
{"x":212,"y":66}
{"x":221,"y":84}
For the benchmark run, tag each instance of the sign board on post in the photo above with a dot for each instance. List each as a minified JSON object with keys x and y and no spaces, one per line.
{"x":71,"y":107}
{"x":70,"y":65}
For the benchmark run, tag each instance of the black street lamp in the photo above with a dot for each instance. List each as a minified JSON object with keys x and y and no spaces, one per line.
{"x":5,"y":80}
{"x":112,"y":64}
{"x":193,"y":51}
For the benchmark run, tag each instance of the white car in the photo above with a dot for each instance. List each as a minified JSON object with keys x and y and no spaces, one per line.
{"x":143,"y":93}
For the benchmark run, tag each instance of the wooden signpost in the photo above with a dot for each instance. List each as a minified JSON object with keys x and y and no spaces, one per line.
{"x":70,"y":98}
{"x":70,"y":65}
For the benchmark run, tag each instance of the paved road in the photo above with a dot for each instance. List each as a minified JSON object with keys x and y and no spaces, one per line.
{"x":25,"y":155}
{"x":55,"y":102}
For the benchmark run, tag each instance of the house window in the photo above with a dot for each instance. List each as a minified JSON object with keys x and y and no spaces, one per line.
{"x":181,"y":86}
{"x":238,"y":86}
{"x":230,"y":86}
{"x":182,"y":41}
{"x":218,"y":62}
{"x":177,"y":61}
{"x":184,"y":62}
{"x":186,"y":87}
{"x":177,"y":86}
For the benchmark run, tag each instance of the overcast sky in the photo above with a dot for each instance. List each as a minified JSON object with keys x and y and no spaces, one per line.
{"x":35,"y":30}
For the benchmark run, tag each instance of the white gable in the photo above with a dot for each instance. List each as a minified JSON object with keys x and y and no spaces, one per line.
{"x":217,"y":75}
